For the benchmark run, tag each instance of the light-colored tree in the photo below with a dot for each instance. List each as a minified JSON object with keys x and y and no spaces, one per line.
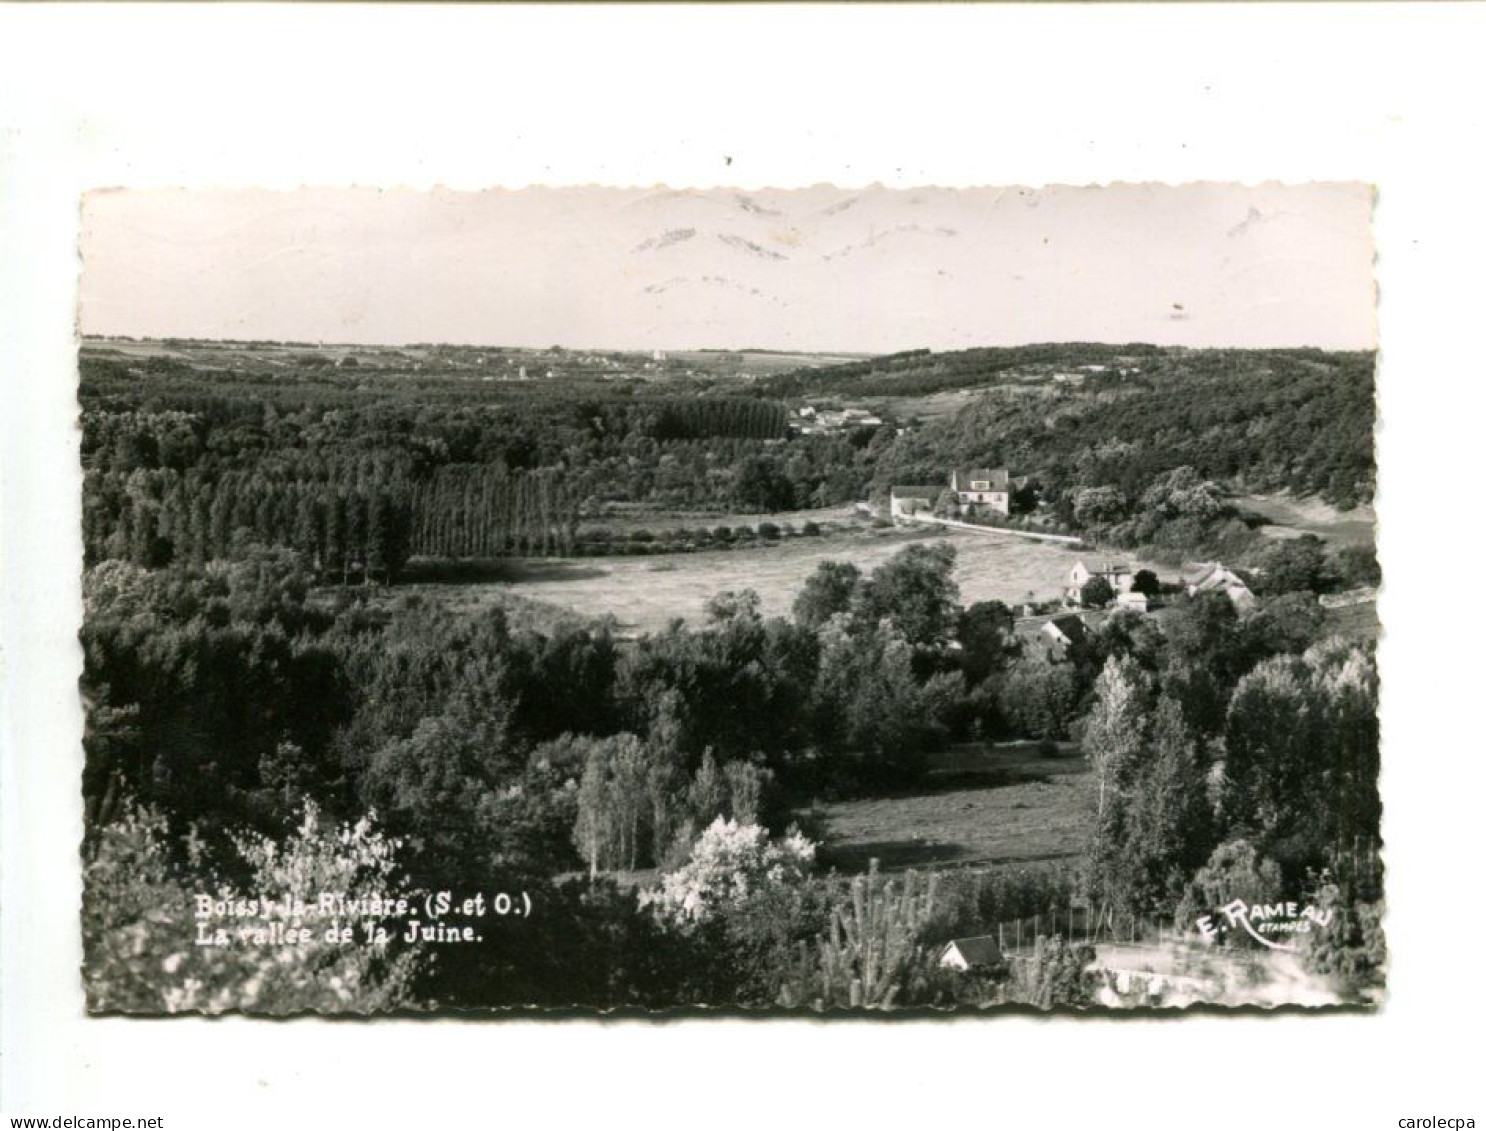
{"x":1116,"y":726}
{"x":728,"y":862}
{"x":140,"y":931}
{"x":594,"y":830}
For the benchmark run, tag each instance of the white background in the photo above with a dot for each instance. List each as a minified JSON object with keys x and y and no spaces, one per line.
{"x":474,"y":96}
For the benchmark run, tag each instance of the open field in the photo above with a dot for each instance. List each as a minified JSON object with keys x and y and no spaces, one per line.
{"x":646,"y":593}
{"x":1359,"y":621}
{"x":1289,"y":517}
{"x":1003,"y":807}
{"x":927,"y":407}
{"x":756,"y":363}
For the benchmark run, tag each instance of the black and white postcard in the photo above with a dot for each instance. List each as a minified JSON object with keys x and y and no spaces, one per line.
{"x":807,"y":602}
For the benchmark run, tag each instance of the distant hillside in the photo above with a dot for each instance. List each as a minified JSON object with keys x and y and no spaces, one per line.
{"x":921,"y":372}
{"x":1075,"y":416}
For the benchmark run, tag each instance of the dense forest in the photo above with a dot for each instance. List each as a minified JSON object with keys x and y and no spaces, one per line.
{"x":1295,"y":420}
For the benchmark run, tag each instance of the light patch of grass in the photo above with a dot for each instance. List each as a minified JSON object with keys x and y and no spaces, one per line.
{"x":645,"y":592}
{"x":1009,"y":806}
{"x":1290,"y":517}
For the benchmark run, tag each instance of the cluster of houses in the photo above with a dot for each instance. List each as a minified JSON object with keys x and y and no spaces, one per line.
{"x":1065,"y":630}
{"x":1209,"y":577}
{"x":1120,"y":579}
{"x":983,"y":492}
{"x":977,"y":493}
{"x":811,"y":420}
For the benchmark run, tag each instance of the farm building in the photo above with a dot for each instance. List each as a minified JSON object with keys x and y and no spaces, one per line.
{"x":982,"y":490}
{"x":1120,"y":578}
{"x":1138,"y":602}
{"x":970,"y":954}
{"x":830,"y":420}
{"x":1216,"y":577}
{"x":907,"y":501}
{"x":1066,"y":630}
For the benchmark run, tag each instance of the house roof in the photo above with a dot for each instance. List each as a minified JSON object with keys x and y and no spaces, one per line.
{"x":978,"y":951}
{"x":1216,"y":575}
{"x":1206,"y":573}
{"x":997,"y":477}
{"x":1071,"y":626}
{"x":915,"y":492}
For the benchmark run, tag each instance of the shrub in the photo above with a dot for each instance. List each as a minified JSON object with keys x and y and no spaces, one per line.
{"x":728,"y":861}
{"x":139,"y":924}
{"x":768,"y":530}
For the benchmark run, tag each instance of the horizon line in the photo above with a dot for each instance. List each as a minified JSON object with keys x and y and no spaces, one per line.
{"x":324,"y":344}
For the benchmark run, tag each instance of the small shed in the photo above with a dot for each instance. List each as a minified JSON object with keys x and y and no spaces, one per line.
{"x":1066,"y":630}
{"x":1216,"y":577}
{"x":906,"y":501}
{"x":970,"y":954}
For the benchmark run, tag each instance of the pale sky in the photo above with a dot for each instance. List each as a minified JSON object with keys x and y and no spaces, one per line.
{"x":872,"y":270}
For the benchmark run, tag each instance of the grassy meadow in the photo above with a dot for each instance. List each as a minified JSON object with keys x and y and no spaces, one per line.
{"x":1007,"y":806}
{"x":644,"y":593}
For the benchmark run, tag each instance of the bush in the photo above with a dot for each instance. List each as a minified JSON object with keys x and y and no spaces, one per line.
{"x":728,"y":861}
{"x":139,"y":924}
{"x":811,"y":530}
{"x":768,"y":530}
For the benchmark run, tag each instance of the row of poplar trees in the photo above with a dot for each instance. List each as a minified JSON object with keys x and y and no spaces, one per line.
{"x":347,"y":527}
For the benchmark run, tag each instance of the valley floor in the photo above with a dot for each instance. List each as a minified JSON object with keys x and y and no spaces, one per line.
{"x":644,"y":593}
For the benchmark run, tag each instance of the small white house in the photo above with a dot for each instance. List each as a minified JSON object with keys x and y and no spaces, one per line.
{"x":1066,"y":630}
{"x":970,"y":954}
{"x":1216,"y":577}
{"x":1138,"y":602}
{"x":983,"y":488}
{"x":1120,"y":578}
{"x":904,"y":502}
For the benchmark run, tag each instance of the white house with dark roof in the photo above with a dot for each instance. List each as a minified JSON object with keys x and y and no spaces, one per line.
{"x":970,"y":954}
{"x":1121,"y":578}
{"x":1066,"y":630}
{"x":1210,"y":577}
{"x":904,"y":502}
{"x":983,"y":489}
